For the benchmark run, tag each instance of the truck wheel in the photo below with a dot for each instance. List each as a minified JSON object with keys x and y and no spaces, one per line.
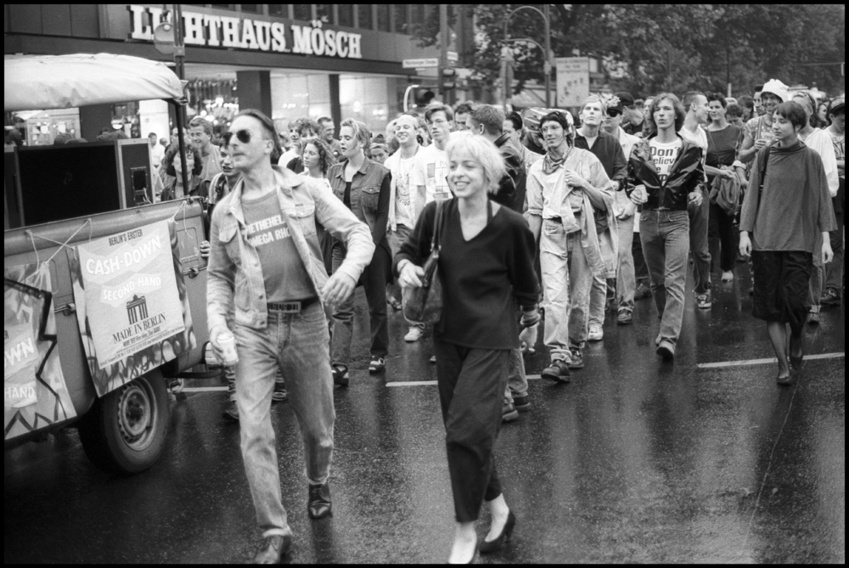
{"x":125,"y":431}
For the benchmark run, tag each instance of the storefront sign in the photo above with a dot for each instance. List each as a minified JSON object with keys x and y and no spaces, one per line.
{"x":132,"y":307}
{"x":573,"y":81}
{"x":211,"y":30}
{"x":34,"y":391}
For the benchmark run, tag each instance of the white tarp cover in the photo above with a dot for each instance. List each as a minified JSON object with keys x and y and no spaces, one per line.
{"x":82,"y":79}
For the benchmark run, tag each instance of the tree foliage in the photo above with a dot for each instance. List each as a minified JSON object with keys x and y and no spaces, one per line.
{"x":648,"y":48}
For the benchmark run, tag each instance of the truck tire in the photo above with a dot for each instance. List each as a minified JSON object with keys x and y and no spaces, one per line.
{"x":125,"y":431}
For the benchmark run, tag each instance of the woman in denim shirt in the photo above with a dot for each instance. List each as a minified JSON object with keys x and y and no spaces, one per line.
{"x":363,"y":185}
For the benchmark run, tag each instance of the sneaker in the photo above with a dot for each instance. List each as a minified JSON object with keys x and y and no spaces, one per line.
{"x":830,"y":297}
{"x":558,"y":371}
{"x":814,"y":316}
{"x":577,"y":361}
{"x":727,"y":276}
{"x":508,"y":412}
{"x":625,"y":316}
{"x":522,"y":403}
{"x":666,"y":349}
{"x":340,"y":375}
{"x":175,"y":386}
{"x":280,"y":394}
{"x":642,"y":292}
{"x":595,"y":333}
{"x":703,"y":301}
{"x":413,"y":334}
{"x":231,"y":411}
{"x":377,"y":365}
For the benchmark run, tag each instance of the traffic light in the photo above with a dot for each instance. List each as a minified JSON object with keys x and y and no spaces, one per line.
{"x":449,"y":79}
{"x":423,"y":97}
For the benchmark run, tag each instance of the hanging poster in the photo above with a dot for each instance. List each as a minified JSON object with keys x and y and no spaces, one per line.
{"x":131,"y":301}
{"x":34,"y":391}
{"x":573,"y":81}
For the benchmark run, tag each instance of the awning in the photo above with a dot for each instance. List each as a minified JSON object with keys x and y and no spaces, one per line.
{"x":82,"y":79}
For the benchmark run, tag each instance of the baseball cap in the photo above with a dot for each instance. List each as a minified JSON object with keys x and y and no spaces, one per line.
{"x":625,"y":97}
{"x":836,"y":105}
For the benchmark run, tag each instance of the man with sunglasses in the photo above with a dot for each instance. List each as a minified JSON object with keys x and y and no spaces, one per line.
{"x":266,"y":261}
{"x":609,"y":152}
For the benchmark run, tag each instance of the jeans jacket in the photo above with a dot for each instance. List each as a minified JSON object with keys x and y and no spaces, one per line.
{"x":370,"y":190}
{"x":234,"y":272}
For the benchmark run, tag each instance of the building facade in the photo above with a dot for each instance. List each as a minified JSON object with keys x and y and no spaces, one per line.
{"x":288,"y":60}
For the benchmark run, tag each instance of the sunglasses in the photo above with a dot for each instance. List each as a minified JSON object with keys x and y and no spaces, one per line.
{"x":613,"y":112}
{"x":244,"y":136}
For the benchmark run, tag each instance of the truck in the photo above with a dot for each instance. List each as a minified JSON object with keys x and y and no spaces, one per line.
{"x":87,"y":245}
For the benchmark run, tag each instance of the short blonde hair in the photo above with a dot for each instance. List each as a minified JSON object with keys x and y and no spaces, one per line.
{"x":361,"y":132}
{"x":483,"y":152}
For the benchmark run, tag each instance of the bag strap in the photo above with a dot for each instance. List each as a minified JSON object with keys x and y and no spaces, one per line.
{"x":435,"y":239}
{"x":764,"y":158}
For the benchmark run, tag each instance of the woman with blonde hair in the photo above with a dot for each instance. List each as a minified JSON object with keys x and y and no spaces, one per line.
{"x":485,"y":263}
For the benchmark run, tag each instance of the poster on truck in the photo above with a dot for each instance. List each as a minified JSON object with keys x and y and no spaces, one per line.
{"x":34,"y":391}
{"x":132,"y":307}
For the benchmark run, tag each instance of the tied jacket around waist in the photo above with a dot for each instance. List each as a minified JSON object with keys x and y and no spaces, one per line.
{"x":685,"y":174}
{"x":235,"y":273}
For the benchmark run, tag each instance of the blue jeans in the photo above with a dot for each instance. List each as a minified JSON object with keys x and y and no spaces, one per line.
{"x":298,"y":345}
{"x":566,"y":281}
{"x":665,"y":236}
{"x":626,"y":282}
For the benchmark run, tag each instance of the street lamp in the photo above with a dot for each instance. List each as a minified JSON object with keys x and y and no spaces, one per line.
{"x":546,"y":50}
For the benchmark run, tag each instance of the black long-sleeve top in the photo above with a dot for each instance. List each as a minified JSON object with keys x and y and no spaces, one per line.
{"x":609,"y":152}
{"x":480,"y":277}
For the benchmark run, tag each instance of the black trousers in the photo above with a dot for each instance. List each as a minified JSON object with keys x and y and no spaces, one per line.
{"x":723,"y":237}
{"x":471,"y":389}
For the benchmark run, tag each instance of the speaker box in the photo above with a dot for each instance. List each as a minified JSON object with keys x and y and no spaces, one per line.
{"x":74,"y":180}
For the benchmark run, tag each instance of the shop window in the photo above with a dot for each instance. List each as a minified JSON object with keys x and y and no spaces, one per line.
{"x":401,"y":19}
{"x":302,"y":11}
{"x":383,"y":17}
{"x":364,"y":12}
{"x":324,"y":12}
{"x":345,"y":13}
{"x":224,"y":6}
{"x":279,"y":10}
{"x":253,"y":8}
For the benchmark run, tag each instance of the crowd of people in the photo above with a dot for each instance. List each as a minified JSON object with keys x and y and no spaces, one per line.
{"x":542,"y":222}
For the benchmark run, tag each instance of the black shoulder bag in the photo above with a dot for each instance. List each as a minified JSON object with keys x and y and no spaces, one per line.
{"x":424,"y":304}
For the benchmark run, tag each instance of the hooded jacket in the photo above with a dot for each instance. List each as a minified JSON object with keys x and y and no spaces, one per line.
{"x":685,"y":174}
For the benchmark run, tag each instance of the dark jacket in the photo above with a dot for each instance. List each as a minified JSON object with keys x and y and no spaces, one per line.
{"x":511,"y":189}
{"x":685,"y":174}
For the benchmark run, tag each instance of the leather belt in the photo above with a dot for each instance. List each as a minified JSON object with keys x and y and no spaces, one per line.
{"x":291,"y":307}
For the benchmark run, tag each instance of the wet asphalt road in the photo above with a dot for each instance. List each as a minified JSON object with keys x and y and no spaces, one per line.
{"x":635,"y":461}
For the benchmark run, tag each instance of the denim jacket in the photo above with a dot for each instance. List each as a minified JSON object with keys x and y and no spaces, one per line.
{"x":234,"y":272}
{"x":370,"y":189}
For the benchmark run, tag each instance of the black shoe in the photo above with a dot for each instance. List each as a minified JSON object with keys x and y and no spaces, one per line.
{"x":231,"y":411}
{"x":642,"y":292}
{"x":785,"y":381}
{"x":273,"y":549}
{"x":340,"y":375}
{"x":318,"y":504}
{"x":831,"y":297}
{"x":509,"y":412}
{"x":577,"y":361}
{"x":666,"y":349}
{"x":558,"y":371}
{"x":796,"y":362}
{"x":493,"y":545}
{"x":522,"y":403}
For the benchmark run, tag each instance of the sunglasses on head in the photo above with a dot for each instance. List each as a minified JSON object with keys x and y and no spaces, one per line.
{"x":613,"y":112}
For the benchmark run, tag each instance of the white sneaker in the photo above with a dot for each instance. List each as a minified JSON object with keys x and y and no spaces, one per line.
{"x":414,"y":334}
{"x":595,"y":334}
